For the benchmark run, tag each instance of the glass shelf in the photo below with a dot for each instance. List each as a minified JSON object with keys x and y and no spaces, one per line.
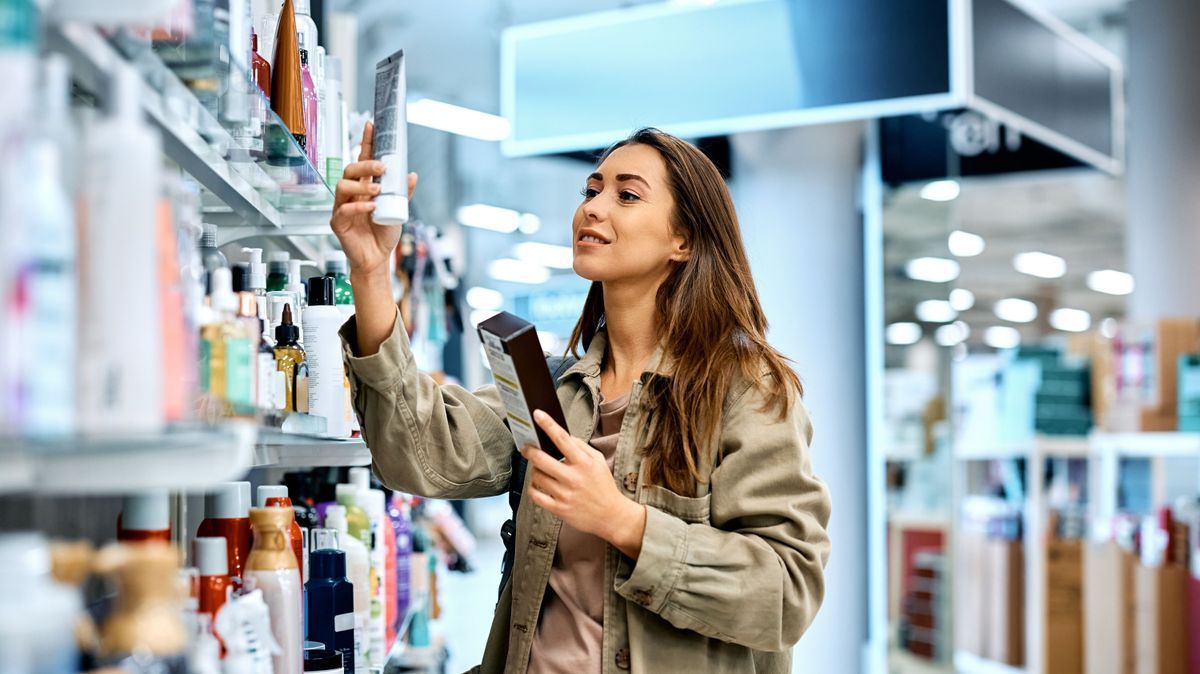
{"x":220,"y":130}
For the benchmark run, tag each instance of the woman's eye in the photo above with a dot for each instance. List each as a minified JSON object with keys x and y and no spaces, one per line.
{"x":588,"y":192}
{"x":629,"y":196}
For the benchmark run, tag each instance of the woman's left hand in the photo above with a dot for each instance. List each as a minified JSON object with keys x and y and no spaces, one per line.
{"x":581,"y":492}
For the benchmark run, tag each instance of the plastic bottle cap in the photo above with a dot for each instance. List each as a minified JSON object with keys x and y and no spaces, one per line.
{"x":268,"y":491}
{"x":390,"y":209}
{"x":211,"y":556}
{"x":360,"y":477}
{"x":223,"y":297}
{"x":276,"y":305}
{"x":347,"y":493}
{"x":256,"y":278}
{"x":286,"y":333}
{"x":279,"y":256}
{"x":246,"y":496}
{"x":226,"y":502}
{"x":320,"y":291}
{"x":149,"y":511}
{"x":375,"y":502}
{"x":240,"y":272}
{"x":302,"y":7}
{"x":323,"y":661}
{"x":209,"y":238}
{"x":335,"y":262}
{"x":324,"y":538}
{"x":327,"y":563}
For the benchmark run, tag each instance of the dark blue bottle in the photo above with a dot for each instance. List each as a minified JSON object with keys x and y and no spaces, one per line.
{"x":331,"y":604}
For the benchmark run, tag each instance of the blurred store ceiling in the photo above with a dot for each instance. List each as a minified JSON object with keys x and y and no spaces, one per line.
{"x":1077,"y":215}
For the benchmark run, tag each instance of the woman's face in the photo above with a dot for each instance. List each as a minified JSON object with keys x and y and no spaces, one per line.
{"x":622,"y":231}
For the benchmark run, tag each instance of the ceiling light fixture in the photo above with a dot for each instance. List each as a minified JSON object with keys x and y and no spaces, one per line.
{"x":1041,"y":265}
{"x":1070,"y":320}
{"x":965,"y":244}
{"x":1111,"y":282}
{"x":935,"y":311}
{"x":941,"y":190}
{"x":932,"y":269}
{"x":902,"y":334}
{"x":516,"y":271}
{"x":1002,"y":337}
{"x":1015,"y":310}
{"x":951,"y":335}
{"x":545,"y":254}
{"x":962,"y":299}
{"x":458,"y":120}
{"x":485,"y":298}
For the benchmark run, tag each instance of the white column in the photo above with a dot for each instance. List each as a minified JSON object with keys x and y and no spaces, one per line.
{"x":1163,"y":235}
{"x":796,"y":192}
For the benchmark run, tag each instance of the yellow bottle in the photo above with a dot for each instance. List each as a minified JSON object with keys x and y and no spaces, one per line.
{"x":289,"y":359}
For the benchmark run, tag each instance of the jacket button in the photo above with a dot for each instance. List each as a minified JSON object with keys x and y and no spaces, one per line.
{"x":642,"y":597}
{"x":630,"y":482}
{"x":622,"y":658}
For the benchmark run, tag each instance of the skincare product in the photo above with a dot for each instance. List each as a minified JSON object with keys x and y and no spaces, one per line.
{"x":227,"y":515}
{"x":287,"y":87}
{"x":391,"y":141}
{"x":145,"y":517}
{"x":358,"y":570}
{"x":289,"y":359}
{"x":272,"y":568}
{"x":276,"y":496}
{"x":215,"y":582}
{"x":332,"y":129}
{"x":326,"y":388}
{"x":330,"y":597}
{"x":311,"y":108}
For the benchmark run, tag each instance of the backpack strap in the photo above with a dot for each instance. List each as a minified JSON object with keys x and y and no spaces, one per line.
{"x":516,"y":481}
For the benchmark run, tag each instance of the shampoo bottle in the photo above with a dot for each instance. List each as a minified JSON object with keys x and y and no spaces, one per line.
{"x":326,"y":390}
{"x":145,"y":518}
{"x":215,"y":583}
{"x":227,"y":515}
{"x":120,"y":381}
{"x":330,"y":597}
{"x":276,"y":496}
{"x":272,"y":569}
{"x":358,"y":571}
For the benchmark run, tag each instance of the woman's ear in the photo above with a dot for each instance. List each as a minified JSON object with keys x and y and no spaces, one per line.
{"x":682,"y":251}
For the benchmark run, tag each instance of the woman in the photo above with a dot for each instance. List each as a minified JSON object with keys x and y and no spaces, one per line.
{"x":684,"y":531}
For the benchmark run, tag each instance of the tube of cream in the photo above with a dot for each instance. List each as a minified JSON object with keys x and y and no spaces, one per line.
{"x":391,"y":140}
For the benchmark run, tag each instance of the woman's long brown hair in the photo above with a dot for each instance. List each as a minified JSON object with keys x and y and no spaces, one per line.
{"x":713,"y":326}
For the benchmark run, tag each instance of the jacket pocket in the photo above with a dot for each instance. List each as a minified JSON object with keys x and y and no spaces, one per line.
{"x":693,"y":509}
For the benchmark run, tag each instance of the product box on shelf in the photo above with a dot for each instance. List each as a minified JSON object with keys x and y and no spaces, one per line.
{"x":973,"y":592}
{"x":1064,"y":607}
{"x":1108,"y":609}
{"x":1145,"y":374}
{"x":1160,"y":611}
{"x":1006,"y":637}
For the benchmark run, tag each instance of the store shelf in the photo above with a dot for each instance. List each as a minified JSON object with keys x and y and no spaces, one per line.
{"x":288,"y":450}
{"x":1148,"y":445}
{"x":1049,"y":446}
{"x":969,"y":663}
{"x":280,"y":194}
{"x":178,"y":459}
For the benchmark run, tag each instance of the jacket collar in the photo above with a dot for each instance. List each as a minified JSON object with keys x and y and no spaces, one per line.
{"x":589,"y":365}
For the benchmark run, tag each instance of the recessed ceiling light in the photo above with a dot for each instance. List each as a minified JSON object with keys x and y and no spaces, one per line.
{"x":950,"y":335}
{"x":932,"y":269}
{"x":483,"y":216}
{"x":940,"y":190}
{"x":1110,"y":281}
{"x":485,"y":298}
{"x":962,"y":299}
{"x":1041,"y":265}
{"x":965,"y":244}
{"x":516,"y":271}
{"x":1015,"y":310}
{"x":1002,"y":337}
{"x":1070,"y":320}
{"x":1108,"y":327}
{"x":903,"y":334}
{"x":457,"y":120}
{"x":935,"y":311}
{"x":545,"y":254}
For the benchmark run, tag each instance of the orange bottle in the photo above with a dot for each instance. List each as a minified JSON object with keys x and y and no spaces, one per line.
{"x":276,"y":496}
{"x":227,"y":515}
{"x":145,"y":517}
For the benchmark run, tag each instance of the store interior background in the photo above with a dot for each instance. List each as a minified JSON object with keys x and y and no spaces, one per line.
{"x":927,"y":481}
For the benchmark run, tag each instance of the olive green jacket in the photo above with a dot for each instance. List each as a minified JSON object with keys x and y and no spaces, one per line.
{"x":727,"y":581}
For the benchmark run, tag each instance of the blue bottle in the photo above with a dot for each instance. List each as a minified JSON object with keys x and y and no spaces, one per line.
{"x":330,"y":600}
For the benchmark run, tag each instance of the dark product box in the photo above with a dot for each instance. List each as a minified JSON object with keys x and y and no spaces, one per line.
{"x":523,"y":378}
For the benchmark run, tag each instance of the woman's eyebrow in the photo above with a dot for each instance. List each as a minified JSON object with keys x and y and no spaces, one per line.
{"x":622,"y":177}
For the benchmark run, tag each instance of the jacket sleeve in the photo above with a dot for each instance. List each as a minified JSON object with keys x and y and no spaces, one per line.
{"x":753,"y":574}
{"x":425,"y":439}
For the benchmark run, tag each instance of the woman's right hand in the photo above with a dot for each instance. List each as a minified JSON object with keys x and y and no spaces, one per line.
{"x":368,"y":246}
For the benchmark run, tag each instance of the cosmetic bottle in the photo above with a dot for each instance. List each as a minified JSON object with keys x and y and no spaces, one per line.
{"x":358,"y":571}
{"x":323,"y":352}
{"x":399,"y":514}
{"x":311,"y":108}
{"x":244,"y":626}
{"x":276,"y":496}
{"x":289,"y":358}
{"x":306,"y":28}
{"x":145,"y":518}
{"x":215,"y":582}
{"x":277,"y":271}
{"x":243,"y":393}
{"x":332,"y":129}
{"x":120,"y":383}
{"x":356,"y":517}
{"x":330,"y":597}
{"x":287,"y":88}
{"x":227,"y":515}
{"x":383,"y":589}
{"x":317,"y":58}
{"x":272,"y":569}
{"x":337,"y":267}
{"x":211,"y":255}
{"x":146,"y":619}
{"x":261,"y":68}
{"x":39,"y":615}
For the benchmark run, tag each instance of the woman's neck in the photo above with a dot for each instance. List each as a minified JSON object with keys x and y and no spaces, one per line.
{"x":631,"y":320}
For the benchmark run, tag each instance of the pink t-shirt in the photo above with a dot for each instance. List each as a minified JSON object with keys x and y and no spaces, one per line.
{"x":570,"y":631}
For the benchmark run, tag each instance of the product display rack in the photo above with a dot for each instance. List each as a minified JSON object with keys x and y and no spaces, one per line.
{"x":1104,"y":453}
{"x":286,"y":450}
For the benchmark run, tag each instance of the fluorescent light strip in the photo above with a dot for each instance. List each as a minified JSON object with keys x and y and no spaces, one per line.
{"x":516,"y":271}
{"x":1015,"y":310}
{"x":935,"y":311}
{"x":482,"y":216}
{"x":485,"y":298}
{"x":941,"y":190}
{"x":952,"y":334}
{"x":962,"y":299}
{"x":1002,"y":337}
{"x":965,"y":244}
{"x":902,"y":334}
{"x":458,"y":120}
{"x":1070,"y":320}
{"x":1111,"y":282}
{"x":547,"y":255}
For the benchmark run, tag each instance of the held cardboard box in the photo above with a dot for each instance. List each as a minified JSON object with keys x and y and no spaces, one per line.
{"x":1064,"y":607}
{"x":1108,"y":609}
{"x":1160,"y":615}
{"x":1006,"y":565}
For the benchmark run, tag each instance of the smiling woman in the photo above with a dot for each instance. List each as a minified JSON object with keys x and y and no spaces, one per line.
{"x":684,"y":530}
